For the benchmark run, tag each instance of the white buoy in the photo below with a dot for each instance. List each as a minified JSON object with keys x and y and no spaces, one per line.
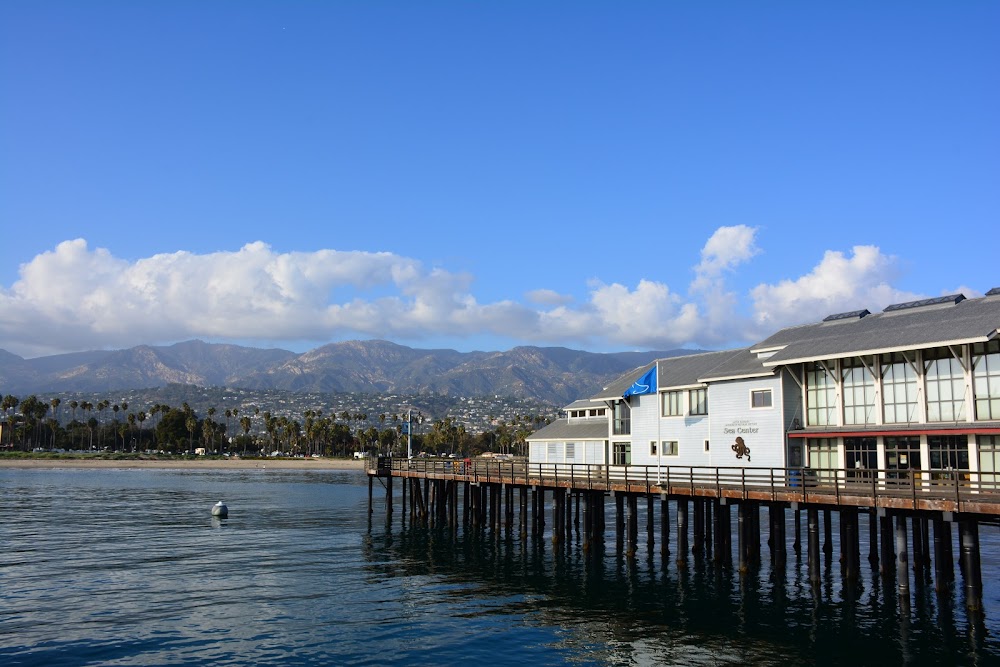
{"x":220,"y":510}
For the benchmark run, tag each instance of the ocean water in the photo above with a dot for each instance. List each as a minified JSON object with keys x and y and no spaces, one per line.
{"x":128,"y":567}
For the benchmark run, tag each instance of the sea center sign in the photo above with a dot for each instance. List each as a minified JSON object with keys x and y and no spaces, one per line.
{"x":740,"y":427}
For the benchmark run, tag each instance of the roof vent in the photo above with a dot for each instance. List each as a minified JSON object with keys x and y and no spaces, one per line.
{"x":993,"y":292}
{"x":853,"y":315}
{"x":937,"y":301}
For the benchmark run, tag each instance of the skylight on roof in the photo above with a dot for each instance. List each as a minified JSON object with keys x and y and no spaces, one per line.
{"x":937,"y":301}
{"x":852,"y":315}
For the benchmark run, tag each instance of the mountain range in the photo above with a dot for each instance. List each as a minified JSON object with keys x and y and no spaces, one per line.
{"x":552,"y":374}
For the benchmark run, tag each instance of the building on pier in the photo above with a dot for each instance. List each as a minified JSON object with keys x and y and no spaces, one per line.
{"x":913,"y":392}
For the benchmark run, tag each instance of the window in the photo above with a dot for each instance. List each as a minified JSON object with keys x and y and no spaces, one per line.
{"x":570,"y":451}
{"x":823,"y":458}
{"x":899,"y":389}
{"x":706,"y":445}
{"x":760,"y":398}
{"x":859,"y":391}
{"x":945,"y":380}
{"x":623,"y":419}
{"x":698,"y":401}
{"x":673,"y":406}
{"x":989,"y":461}
{"x":552,"y":453}
{"x":902,"y":454}
{"x":860,"y":455}
{"x":986,"y":379}
{"x":948,"y":452}
{"x":622,"y":453}
{"x":821,"y":396}
{"x":652,"y":447}
{"x":670,"y":448}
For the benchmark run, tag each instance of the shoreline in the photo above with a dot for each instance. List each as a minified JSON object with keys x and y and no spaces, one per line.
{"x":222,"y":464}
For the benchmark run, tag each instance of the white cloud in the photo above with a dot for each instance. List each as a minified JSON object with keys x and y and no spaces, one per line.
{"x":726,"y":249}
{"x":547,"y":297}
{"x":74,"y":297}
{"x":838,"y":283}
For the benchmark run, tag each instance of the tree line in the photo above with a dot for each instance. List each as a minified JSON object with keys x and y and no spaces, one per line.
{"x":36,"y":423}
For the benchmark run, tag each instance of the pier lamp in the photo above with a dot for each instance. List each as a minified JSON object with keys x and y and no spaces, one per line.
{"x":409,"y":432}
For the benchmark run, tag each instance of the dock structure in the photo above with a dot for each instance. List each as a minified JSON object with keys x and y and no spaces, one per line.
{"x":911,"y":525}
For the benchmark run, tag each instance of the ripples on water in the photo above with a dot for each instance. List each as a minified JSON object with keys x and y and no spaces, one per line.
{"x":128,"y":567}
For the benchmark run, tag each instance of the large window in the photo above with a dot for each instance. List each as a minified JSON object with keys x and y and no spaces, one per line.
{"x":989,"y":461}
{"x":945,"y":381}
{"x":821,"y":396}
{"x":823,"y":459}
{"x":622,"y":453}
{"x":899,"y":389}
{"x":948,"y":452}
{"x":698,"y":401}
{"x":860,"y":457}
{"x":859,"y":391}
{"x":986,"y":379}
{"x":673,"y":404}
{"x":623,"y":419}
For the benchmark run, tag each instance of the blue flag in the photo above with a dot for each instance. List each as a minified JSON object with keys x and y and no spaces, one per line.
{"x":406,"y":428}
{"x":646,"y":384}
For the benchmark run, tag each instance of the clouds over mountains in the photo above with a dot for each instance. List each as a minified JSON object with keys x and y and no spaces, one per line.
{"x":75,"y":297}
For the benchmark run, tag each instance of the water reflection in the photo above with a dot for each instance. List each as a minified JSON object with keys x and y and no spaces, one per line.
{"x":651,"y":609}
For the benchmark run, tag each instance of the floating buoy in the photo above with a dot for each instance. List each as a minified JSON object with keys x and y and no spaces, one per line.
{"x":220,"y":510}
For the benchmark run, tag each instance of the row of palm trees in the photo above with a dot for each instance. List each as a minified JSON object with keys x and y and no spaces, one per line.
{"x":32,"y":423}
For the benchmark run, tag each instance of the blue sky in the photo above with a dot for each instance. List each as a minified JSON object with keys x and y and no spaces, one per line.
{"x":599,"y":175}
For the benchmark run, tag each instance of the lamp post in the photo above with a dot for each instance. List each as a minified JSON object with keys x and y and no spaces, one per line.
{"x":409,"y":431}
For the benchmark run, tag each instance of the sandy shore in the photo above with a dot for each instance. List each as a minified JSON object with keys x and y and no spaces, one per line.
{"x":234,"y":463}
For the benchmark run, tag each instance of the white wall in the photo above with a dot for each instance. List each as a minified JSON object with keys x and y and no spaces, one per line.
{"x":689,"y":432}
{"x":762,"y":429}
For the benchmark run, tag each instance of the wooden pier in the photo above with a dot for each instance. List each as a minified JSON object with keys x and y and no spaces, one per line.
{"x":909,"y":515}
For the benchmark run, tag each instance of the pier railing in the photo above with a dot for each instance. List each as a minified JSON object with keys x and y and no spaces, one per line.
{"x":951,"y":490}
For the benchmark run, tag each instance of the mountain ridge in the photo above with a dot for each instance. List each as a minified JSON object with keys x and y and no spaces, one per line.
{"x":557,"y":375}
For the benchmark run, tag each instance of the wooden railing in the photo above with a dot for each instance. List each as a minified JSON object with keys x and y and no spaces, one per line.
{"x":828,"y":485}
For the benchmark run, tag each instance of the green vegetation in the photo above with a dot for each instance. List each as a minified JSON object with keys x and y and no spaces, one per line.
{"x":59,"y":426}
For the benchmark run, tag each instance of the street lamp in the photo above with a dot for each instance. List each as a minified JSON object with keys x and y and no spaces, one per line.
{"x":409,"y":431}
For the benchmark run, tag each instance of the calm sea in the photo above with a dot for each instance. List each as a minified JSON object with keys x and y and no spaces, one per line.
{"x":128,"y":567}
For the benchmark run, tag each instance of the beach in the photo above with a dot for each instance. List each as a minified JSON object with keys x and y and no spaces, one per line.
{"x":207,"y":463}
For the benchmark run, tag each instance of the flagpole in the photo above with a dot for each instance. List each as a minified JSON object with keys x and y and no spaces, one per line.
{"x":659,"y":422}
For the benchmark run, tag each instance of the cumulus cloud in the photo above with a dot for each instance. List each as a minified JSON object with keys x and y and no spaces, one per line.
{"x":726,"y":249}
{"x":75,"y":297}
{"x":839,"y":283}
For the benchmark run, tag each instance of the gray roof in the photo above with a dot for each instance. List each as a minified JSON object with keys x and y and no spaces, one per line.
{"x":585,"y":404}
{"x":691,"y":370}
{"x":618,"y":387}
{"x":697,"y":368}
{"x":971,"y":320}
{"x":573,"y":429}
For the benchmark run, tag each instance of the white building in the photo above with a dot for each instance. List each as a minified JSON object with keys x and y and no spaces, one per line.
{"x":911,"y":390}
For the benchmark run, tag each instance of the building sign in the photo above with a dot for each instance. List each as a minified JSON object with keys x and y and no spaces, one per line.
{"x":741,"y":428}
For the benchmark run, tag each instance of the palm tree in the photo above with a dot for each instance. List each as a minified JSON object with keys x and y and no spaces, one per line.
{"x":141,"y":417}
{"x":191,"y":422}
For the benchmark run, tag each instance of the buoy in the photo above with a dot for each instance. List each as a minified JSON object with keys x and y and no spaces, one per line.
{"x":220,"y":510}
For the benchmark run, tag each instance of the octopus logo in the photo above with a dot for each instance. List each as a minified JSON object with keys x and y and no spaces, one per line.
{"x":741,"y":449}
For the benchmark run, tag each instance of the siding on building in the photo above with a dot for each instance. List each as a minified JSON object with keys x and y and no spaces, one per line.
{"x":762,"y":429}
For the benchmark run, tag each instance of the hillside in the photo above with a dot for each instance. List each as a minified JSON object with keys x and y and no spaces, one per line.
{"x":552,"y":374}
